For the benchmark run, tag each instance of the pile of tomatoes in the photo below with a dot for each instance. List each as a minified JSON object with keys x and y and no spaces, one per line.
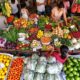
{"x":16,"y":69}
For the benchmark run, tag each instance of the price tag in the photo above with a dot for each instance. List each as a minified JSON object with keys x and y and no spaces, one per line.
{"x":2,"y":65}
{"x":34,"y":49}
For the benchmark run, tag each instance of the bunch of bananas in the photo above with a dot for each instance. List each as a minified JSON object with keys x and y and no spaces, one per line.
{"x":8,"y":9}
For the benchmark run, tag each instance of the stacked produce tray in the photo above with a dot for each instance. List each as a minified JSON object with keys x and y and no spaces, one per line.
{"x":40,"y":68}
{"x":72,"y":68}
{"x":5,"y":63}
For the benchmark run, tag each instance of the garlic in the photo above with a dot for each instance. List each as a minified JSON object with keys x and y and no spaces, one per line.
{"x":72,"y":26}
{"x":74,"y":40}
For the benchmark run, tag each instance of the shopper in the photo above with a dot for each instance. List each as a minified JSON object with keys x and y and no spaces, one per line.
{"x":3,"y":21}
{"x":24,"y":11}
{"x":15,"y":10}
{"x":41,"y":7}
{"x":63,"y":55}
{"x":67,"y":7}
{"x":58,"y":11}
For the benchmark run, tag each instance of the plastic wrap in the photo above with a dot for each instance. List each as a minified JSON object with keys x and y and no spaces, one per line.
{"x":31,"y":64}
{"x":51,"y":59}
{"x":53,"y":69}
{"x":28,"y":75}
{"x":58,"y":77}
{"x":49,"y":77}
{"x":38,"y":76}
{"x":41,"y":66}
{"x":34,"y":57}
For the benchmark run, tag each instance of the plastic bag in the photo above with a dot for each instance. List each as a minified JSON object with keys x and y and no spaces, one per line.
{"x":38,"y":76}
{"x":49,"y":77}
{"x":29,"y":75}
{"x":41,"y":66}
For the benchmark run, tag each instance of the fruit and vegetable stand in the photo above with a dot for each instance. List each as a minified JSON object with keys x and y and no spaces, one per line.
{"x":38,"y":68}
{"x":39,"y":38}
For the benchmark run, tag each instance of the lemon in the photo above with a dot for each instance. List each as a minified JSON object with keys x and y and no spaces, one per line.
{"x":7,"y":64}
{"x":5,"y":69}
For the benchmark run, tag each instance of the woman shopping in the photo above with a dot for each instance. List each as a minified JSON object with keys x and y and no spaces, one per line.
{"x":58,"y":11}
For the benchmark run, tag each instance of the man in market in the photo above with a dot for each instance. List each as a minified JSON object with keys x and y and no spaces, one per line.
{"x":3,"y":21}
{"x":41,"y":7}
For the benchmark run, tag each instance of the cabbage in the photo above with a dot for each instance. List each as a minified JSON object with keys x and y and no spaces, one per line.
{"x":49,"y":77}
{"x":35,"y":57}
{"x":57,"y":77}
{"x":31,"y":64}
{"x":43,"y":59}
{"x":28,"y":75}
{"x":41,"y":67}
{"x":60,"y":65}
{"x":26,"y":60}
{"x":51,"y":59}
{"x":38,"y":76}
{"x":53,"y":69}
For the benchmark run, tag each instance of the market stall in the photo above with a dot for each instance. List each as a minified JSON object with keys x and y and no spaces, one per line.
{"x":25,"y":47}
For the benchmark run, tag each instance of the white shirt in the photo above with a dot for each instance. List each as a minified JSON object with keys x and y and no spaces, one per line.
{"x":24,"y":14}
{"x":41,"y":8}
{"x":2,"y":22}
{"x":14,"y":7}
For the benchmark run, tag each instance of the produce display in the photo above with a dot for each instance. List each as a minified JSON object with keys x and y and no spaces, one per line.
{"x":76,"y":7}
{"x":45,"y":34}
{"x":41,"y":68}
{"x":38,"y":33}
{"x":5,"y":61}
{"x":72,"y":69}
{"x":15,"y":69}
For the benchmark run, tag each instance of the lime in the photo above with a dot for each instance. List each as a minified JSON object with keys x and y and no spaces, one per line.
{"x":69,"y":66}
{"x":71,"y":74}
{"x":77,"y":78}
{"x":75,"y":69}
{"x":67,"y":72}
{"x":71,"y":69}
{"x":77,"y":65}
{"x":77,"y":74}
{"x":65,"y":68}
{"x":75,"y":60}
{"x":74,"y":73}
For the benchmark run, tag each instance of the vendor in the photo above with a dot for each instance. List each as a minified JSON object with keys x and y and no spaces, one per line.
{"x":15,"y":10}
{"x":3,"y":21}
{"x":24,"y":11}
{"x":58,"y":11}
{"x":41,"y":6}
{"x":63,"y":55}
